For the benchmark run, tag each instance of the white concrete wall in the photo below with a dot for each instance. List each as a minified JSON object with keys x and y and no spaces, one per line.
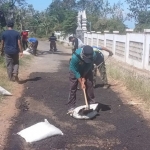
{"x":146,"y":63}
{"x":132,"y":48}
{"x":119,"y":47}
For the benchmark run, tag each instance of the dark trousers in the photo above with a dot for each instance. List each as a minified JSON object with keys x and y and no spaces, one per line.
{"x":24,"y":44}
{"x":53,"y":45}
{"x":73,"y":89}
{"x":102,"y":71}
{"x":12,"y":62}
{"x":34,"y":47}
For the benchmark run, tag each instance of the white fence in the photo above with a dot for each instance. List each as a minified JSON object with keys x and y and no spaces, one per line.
{"x":132,"y":48}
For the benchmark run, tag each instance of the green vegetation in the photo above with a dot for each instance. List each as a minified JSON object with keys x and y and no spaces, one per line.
{"x":61,"y":15}
{"x":2,"y":62}
{"x":137,"y":85}
{"x":3,"y":76}
{"x":4,"y":82}
{"x":25,"y":60}
{"x":139,"y":11}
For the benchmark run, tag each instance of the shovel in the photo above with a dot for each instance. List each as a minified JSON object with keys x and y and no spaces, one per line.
{"x":86,"y":110}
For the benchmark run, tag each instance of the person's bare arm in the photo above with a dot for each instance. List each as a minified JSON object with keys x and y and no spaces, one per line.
{"x":82,"y":82}
{"x":107,"y":50}
{"x":20,"y":48}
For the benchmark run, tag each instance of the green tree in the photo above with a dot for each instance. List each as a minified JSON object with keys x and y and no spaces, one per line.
{"x":136,"y":7}
{"x":64,"y":12}
{"x":139,"y":11}
{"x":70,"y":23}
{"x":143,"y":21}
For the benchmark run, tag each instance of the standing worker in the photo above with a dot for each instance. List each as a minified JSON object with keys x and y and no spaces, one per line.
{"x":100,"y":64}
{"x":76,"y":43}
{"x":53,"y":40}
{"x":81,"y":72}
{"x":33,"y":44}
{"x":24,"y":37}
{"x":11,"y":46}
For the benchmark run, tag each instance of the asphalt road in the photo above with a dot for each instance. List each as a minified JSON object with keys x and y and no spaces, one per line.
{"x":45,"y":94}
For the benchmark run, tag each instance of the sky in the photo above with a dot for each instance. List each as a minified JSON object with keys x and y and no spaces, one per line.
{"x":43,"y":4}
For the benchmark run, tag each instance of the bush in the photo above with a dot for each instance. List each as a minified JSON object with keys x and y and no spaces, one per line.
{"x":2,"y":61}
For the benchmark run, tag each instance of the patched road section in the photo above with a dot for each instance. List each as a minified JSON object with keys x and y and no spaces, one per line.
{"x":45,"y":95}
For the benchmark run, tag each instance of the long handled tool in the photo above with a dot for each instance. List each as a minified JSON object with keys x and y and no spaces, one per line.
{"x":103,"y":62}
{"x":87,"y":109}
{"x":86,"y":102}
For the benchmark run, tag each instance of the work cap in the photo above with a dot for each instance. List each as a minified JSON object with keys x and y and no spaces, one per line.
{"x":87,"y":54}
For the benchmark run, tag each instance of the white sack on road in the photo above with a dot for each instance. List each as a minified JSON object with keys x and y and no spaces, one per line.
{"x":4,"y":92}
{"x":27,"y":51}
{"x":39,"y":131}
{"x":89,"y":115}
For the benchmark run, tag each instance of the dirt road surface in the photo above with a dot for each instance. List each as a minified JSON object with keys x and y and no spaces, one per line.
{"x":117,"y":127}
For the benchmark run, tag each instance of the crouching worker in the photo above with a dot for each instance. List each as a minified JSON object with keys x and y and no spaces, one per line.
{"x":81,"y":72}
{"x":33,"y":44}
{"x":100,"y":65}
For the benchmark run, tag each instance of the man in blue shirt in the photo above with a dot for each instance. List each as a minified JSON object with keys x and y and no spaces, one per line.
{"x":11,"y":46}
{"x":81,"y":72}
{"x":100,"y":64}
{"x":34,"y":44}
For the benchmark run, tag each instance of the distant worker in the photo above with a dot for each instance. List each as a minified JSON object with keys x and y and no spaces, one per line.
{"x":24,"y":37}
{"x":33,"y":44}
{"x":100,"y":64}
{"x":11,"y":46}
{"x":53,"y":40}
{"x":76,"y":43}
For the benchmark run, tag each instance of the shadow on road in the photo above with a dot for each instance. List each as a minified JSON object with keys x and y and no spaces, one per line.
{"x":47,"y":52}
{"x":32,"y":79}
{"x":63,"y":54}
{"x":103,"y":107}
{"x":98,"y":85}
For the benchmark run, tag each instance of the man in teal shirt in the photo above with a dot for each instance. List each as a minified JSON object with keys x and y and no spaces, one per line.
{"x":81,"y":72}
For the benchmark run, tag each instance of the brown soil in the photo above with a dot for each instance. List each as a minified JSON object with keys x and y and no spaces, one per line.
{"x":8,"y":109}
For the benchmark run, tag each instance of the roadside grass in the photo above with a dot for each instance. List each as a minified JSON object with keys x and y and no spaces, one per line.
{"x":4,"y":81}
{"x":25,"y":60}
{"x":137,"y":85}
{"x":61,"y":42}
{"x":3,"y":73}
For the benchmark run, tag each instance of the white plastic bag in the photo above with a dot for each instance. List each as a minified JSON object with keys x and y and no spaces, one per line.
{"x":39,"y":131}
{"x":4,"y":92}
{"x":88,"y":116}
{"x":27,"y":51}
